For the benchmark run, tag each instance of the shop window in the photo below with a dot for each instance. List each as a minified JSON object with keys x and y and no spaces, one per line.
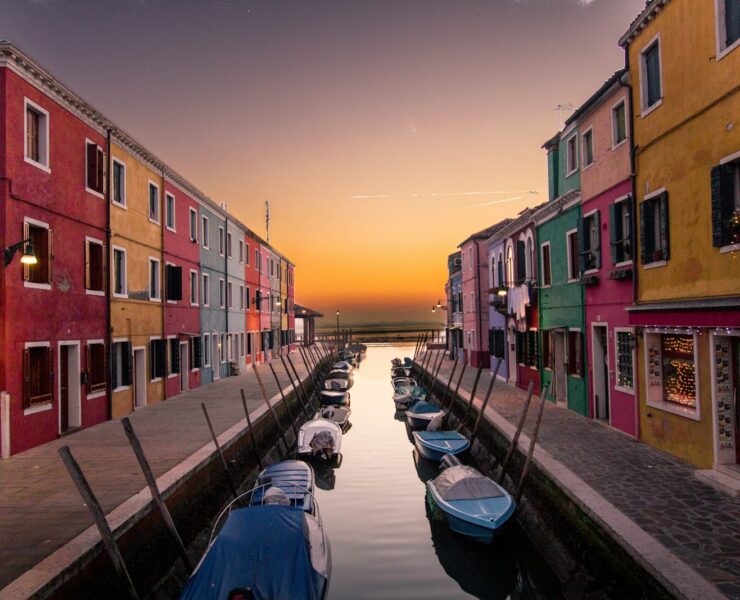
{"x":620,"y":232}
{"x":38,"y":375}
{"x":654,"y":242}
{"x":41,"y":240}
{"x":677,"y":360}
{"x":625,"y":341}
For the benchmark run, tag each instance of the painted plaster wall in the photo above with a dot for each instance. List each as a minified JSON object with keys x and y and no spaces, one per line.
{"x":64,"y":312}
{"x":213,"y":316}
{"x":265,"y":316}
{"x":566,"y":181}
{"x":561,"y":304}
{"x":252,"y":279}
{"x":475,"y":318}
{"x":496,"y":320}
{"x":136,"y":318}
{"x":236,"y":276}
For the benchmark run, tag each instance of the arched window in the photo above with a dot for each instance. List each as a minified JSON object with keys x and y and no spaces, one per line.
{"x":530,"y":259}
{"x":510,"y":266}
{"x":493,"y":271}
{"x":500,"y":269}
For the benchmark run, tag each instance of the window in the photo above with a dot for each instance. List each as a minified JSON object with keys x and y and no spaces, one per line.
{"x":527,"y":351}
{"x":625,"y":342}
{"x":509,"y":267}
{"x":204,"y":234}
{"x":521,"y":262}
{"x":571,"y":239}
{"x":40,"y":236}
{"x":154,"y":279}
{"x":500,"y":270}
{"x":728,"y":26}
{"x":654,"y":241}
{"x":193,"y":225}
{"x":94,"y":168}
{"x":497,"y":343}
{"x":257,"y":259}
{"x":221,"y":241}
{"x":38,"y":375}
{"x":93,"y":265}
{"x":221,"y":293}
{"x":588,"y":148}
{"x":547,"y":355}
{"x":619,"y":124}
{"x":119,"y":272}
{"x":222,"y":348}
{"x":204,"y":290}
{"x":571,"y":155}
{"x":590,"y":238}
{"x":546,"y":271}
{"x":153,"y":202}
{"x":36,"y":124}
{"x":229,"y":294}
{"x":158,"y":362}
{"x":246,"y":298}
{"x":241,"y":251}
{"x":174,"y":362}
{"x":241,"y":297}
{"x":228,"y":244}
{"x":121,"y":365}
{"x":206,"y":350}
{"x":671,"y":373}
{"x":173,"y":283}
{"x":575,"y":353}
{"x":95,"y":367}
{"x":119,"y":183}
{"x":651,"y":87}
{"x":529,"y":270}
{"x":620,"y":232}
{"x":193,"y":288}
{"x":246,"y":254}
{"x":726,"y":204}
{"x":195,"y":349}
{"x":169,"y":200}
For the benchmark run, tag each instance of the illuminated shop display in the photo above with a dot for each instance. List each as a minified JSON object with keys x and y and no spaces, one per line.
{"x":677,"y":358}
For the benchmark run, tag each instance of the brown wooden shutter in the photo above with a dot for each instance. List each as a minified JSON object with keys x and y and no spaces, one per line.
{"x":26,"y":270}
{"x":26,"y":378}
{"x":50,"y":359}
{"x":50,"y":255}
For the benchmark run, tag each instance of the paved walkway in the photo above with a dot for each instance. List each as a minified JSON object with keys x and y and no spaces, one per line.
{"x":658,"y":492}
{"x":41,"y":510}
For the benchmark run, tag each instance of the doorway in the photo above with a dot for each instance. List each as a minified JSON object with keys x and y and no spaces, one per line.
{"x":70,"y":404}
{"x":559,"y":377}
{"x":184,"y":367}
{"x":139,"y":377}
{"x":599,"y":339}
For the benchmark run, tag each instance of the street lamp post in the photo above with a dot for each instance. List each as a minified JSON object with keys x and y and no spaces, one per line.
{"x":337,"y":331}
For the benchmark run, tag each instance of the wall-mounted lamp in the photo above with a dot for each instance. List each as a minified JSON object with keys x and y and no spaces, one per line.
{"x":28,"y":258}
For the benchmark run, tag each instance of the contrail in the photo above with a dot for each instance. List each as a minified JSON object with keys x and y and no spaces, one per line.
{"x":501,"y":201}
{"x":370,"y":196}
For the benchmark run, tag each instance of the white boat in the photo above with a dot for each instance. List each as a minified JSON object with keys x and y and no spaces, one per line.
{"x":338,"y":414}
{"x":320,"y":437}
{"x":338,"y":385}
{"x":342,"y":365}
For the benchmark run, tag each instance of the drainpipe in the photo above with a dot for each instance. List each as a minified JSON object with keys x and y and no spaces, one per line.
{"x":478,"y":299}
{"x":226,"y":288}
{"x":163,"y":278}
{"x":108,"y":320}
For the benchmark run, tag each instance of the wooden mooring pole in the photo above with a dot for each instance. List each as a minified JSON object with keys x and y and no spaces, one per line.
{"x":449,"y":382}
{"x":255,"y":449}
{"x":485,"y":402}
{"x":109,"y":540}
{"x":151,"y":481}
{"x":530,"y":452}
{"x":306,"y":407}
{"x":515,"y":439}
{"x":285,"y":401}
{"x":266,"y":398}
{"x":457,"y":385}
{"x":225,"y":466}
{"x":472,"y":396}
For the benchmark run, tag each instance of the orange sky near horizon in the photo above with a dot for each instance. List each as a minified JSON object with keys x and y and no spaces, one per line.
{"x":382,"y":133}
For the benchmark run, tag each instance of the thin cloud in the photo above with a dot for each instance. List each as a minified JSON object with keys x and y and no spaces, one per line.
{"x":451,"y":194}
{"x":492,"y":202}
{"x":363,"y":196}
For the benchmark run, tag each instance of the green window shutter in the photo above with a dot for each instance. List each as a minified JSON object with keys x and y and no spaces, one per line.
{"x":114,"y":366}
{"x":597,"y":250}
{"x":126,"y":364}
{"x":664,"y":226}
{"x":615,"y":231}
{"x":197,"y":352}
{"x":723,"y":204}
{"x":582,"y":237}
{"x":646,"y":232}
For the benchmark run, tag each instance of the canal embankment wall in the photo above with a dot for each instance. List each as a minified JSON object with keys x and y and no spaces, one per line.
{"x":586,"y":540}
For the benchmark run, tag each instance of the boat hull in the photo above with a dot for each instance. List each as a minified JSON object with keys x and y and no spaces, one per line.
{"x":420,"y":420}
{"x":436,"y":450}
{"x":482,"y":535}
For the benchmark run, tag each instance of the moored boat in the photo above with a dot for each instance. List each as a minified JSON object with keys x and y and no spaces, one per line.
{"x":334,"y":397}
{"x":434,"y":445}
{"x":320,"y":437}
{"x":421,"y":413}
{"x":338,"y":414}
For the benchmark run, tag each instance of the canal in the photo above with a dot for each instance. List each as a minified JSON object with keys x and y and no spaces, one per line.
{"x":385,"y":542}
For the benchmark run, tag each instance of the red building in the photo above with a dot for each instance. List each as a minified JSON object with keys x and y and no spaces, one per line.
{"x":291,"y":305}
{"x":252,"y":283}
{"x":54,"y":313}
{"x":181,"y":288}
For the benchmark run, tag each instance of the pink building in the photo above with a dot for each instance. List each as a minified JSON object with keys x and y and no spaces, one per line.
{"x":474,"y":255}
{"x":264,"y":304}
{"x":606,"y":248}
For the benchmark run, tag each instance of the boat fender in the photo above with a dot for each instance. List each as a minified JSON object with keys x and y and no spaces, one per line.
{"x":449,"y":460}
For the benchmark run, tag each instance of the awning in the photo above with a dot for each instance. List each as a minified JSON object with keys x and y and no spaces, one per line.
{"x":707,"y":312}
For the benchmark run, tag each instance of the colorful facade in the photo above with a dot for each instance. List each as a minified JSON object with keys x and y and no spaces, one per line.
{"x":684,"y":62}
{"x":497,"y":285}
{"x":453,"y":293}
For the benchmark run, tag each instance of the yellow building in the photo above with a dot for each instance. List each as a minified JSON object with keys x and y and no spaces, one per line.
{"x":139,"y":351}
{"x":684,"y":65}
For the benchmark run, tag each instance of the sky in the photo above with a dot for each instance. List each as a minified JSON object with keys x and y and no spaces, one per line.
{"x":382,"y":132}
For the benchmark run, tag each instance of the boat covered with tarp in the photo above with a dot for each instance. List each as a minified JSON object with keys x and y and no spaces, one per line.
{"x":434,"y":445}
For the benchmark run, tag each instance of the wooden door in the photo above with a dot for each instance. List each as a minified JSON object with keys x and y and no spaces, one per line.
{"x":64,"y":388}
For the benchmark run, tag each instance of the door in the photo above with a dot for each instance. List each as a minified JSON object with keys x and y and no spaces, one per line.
{"x":601,"y":371}
{"x":139,"y":377}
{"x":184,"y":366}
{"x":560,"y":378}
{"x":63,"y":389}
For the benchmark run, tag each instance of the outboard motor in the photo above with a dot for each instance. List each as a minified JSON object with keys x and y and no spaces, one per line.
{"x":449,"y":460}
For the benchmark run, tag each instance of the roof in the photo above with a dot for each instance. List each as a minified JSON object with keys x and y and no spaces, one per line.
{"x":552,"y":142}
{"x":520,"y":222}
{"x":652,"y":8}
{"x":484,"y":234}
{"x":596,"y":96}
{"x":302,"y":312}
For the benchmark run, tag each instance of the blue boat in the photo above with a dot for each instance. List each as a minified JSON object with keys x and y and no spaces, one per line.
{"x":434,"y":445}
{"x":294,"y":477}
{"x":473,"y":505}
{"x":420,"y":413}
{"x":408,"y":362}
{"x":334,"y":398}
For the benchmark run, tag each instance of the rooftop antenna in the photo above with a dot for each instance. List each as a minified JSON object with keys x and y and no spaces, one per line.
{"x":567,"y":106}
{"x":267,"y":219}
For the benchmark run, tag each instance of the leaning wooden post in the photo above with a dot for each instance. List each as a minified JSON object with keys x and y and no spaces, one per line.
{"x":424,"y":363}
{"x":285,"y":401}
{"x":257,"y":454}
{"x":154,"y":490}
{"x":485,"y":402}
{"x":272,"y":410}
{"x":515,"y":439}
{"x":457,"y":385}
{"x":416,"y":345}
{"x":532,"y":442}
{"x":447,"y":389}
{"x":298,"y":395}
{"x":220,"y":452}
{"x":310,"y":372}
{"x":106,"y":534}
{"x":472,"y":398}
{"x":436,"y":371}
{"x":300,"y":381}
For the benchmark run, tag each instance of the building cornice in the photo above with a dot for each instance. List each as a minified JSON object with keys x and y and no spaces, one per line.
{"x":651,"y":10}
{"x":554,"y":208}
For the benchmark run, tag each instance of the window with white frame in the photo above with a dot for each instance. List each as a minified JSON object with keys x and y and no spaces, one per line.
{"x":509,"y":266}
{"x":651,"y":85}
{"x":94,"y":168}
{"x":545,"y":266}
{"x":206,"y":349}
{"x":241,"y":251}
{"x":204,"y":232}
{"x":155,"y":285}
{"x":530,"y":259}
{"x":241,"y":297}
{"x":193,"y":288}
{"x":725,"y":186}
{"x":246,"y":298}
{"x":36,"y":125}
{"x":120,"y":365}
{"x":153,"y":202}
{"x":119,"y":183}
{"x":38,"y":275}
{"x":221,"y":241}
{"x":222,"y":348}
{"x":590,"y":255}
{"x":221,"y":293}
{"x":619,"y":123}
{"x":571,"y":155}
{"x":588,"y":148}
{"x":205,"y":290}
{"x":38,"y":374}
{"x":571,"y":239}
{"x":728,"y":26}
{"x":94,"y":265}
{"x":193,"y":225}
{"x":228,"y":244}
{"x":120,"y":282}
{"x":625,"y":356}
{"x":246,"y":254}
{"x":230,"y":294}
{"x":654,"y":228}
{"x":620,"y":215}
{"x":170,"y":211}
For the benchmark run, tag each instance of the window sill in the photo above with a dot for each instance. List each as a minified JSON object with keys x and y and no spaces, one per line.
{"x":95,"y":193}
{"x":95,"y":292}
{"x":722,"y":53}
{"x":38,"y":165}
{"x":573,"y":280}
{"x":570,"y":173}
{"x":156,"y":222}
{"x":172,"y":229}
{"x":122,"y":296}
{"x":121,"y":388}
{"x":626,"y":263}
{"x":95,"y":395}
{"x":624,"y":390}
{"x":591,"y":271}
{"x":37,"y":286}
{"x":194,"y":370}
{"x":655,"y":265}
{"x":676,"y":409}
{"x":121,"y":205}
{"x":619,"y":144}
{"x":38,"y":409}
{"x":205,"y":247}
{"x":730,"y":248}
{"x":587,"y":167}
{"x":172,"y":301}
{"x":172,"y":375}
{"x":155,"y":299}
{"x":155,"y":380}
{"x":648,"y":109}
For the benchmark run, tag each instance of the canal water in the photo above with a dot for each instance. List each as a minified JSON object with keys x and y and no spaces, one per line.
{"x":385,"y":543}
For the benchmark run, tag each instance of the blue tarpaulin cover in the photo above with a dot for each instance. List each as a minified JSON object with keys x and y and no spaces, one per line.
{"x":263,"y":548}
{"x":421,"y":407}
